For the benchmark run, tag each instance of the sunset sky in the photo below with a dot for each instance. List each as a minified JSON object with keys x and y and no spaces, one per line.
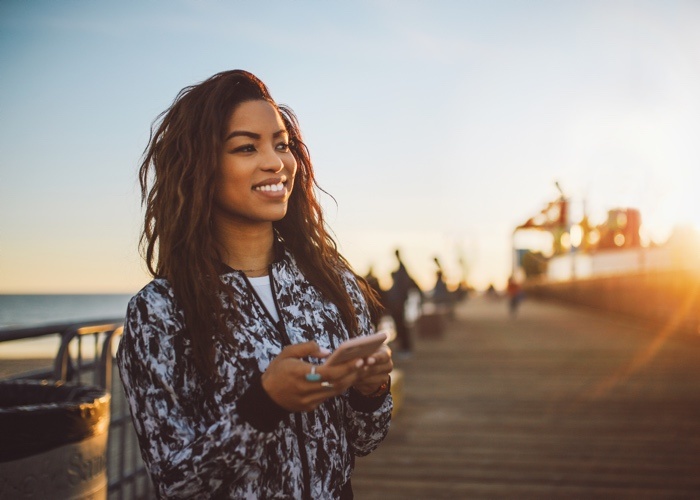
{"x":437,"y":126}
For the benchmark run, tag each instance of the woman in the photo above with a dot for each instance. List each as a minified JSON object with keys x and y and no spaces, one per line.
{"x":222,"y":353}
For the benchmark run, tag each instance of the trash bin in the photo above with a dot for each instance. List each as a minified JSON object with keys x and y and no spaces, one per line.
{"x":53,"y":440}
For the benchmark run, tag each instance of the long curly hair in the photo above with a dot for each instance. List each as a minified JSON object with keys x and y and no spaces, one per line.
{"x":178,"y":174}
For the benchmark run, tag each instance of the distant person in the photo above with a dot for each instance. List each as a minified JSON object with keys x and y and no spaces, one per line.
{"x":515,"y":296}
{"x":373,"y":282}
{"x":221,"y":353}
{"x":396,"y":297}
{"x":441,"y":296}
{"x":462,"y":292}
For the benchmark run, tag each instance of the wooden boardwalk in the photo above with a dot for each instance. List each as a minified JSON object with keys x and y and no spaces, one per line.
{"x":559,"y":403}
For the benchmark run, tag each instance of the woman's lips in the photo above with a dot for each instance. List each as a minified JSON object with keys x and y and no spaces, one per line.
{"x":275,"y":187}
{"x":270,"y":188}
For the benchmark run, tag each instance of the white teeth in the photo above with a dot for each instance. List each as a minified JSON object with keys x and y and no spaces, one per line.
{"x":271,"y":187}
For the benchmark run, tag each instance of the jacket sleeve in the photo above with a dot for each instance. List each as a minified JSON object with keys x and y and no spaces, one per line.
{"x":368,"y":427}
{"x":368,"y":418}
{"x":187,"y":455}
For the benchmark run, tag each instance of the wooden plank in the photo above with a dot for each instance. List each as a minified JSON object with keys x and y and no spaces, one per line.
{"x":558,"y":403}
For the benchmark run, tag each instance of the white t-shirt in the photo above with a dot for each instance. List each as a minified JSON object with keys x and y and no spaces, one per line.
{"x":262,"y":287}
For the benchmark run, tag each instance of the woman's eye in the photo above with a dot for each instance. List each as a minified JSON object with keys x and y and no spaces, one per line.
{"x":283,"y":146}
{"x":246,"y":148}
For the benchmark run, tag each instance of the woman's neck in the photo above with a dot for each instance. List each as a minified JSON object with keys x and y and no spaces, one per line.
{"x":248,"y":249}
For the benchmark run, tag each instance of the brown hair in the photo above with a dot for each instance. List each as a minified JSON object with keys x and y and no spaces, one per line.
{"x":177,"y":177}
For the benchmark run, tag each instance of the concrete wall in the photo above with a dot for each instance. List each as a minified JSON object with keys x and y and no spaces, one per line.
{"x":667,"y":298}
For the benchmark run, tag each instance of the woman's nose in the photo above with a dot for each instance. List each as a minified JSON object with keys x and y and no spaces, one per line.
{"x":273,"y":162}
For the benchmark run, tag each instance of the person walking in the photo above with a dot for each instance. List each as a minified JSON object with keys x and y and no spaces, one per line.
{"x":396,"y":297}
{"x":515,"y":296}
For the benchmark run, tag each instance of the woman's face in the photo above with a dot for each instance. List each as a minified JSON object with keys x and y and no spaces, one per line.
{"x":256,"y":167}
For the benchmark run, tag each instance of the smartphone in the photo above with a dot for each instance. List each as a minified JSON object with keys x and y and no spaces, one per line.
{"x":358,"y":347}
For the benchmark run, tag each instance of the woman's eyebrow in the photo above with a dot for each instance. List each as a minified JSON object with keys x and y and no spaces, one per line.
{"x":252,"y":135}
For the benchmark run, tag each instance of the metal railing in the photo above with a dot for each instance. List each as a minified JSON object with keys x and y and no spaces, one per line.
{"x":85,"y":356}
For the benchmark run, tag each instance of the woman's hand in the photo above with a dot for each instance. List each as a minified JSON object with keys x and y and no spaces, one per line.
{"x":286,"y":383}
{"x":375,"y":372}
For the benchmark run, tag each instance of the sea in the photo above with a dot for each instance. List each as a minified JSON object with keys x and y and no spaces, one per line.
{"x":34,"y":310}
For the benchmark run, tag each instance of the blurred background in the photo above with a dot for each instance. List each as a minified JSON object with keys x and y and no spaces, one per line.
{"x":437,"y":127}
{"x":526,"y":150}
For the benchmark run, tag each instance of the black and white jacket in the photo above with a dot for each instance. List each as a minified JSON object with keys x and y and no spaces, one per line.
{"x":237,"y":443}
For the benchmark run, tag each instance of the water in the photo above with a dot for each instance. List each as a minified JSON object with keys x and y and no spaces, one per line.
{"x":31,"y":310}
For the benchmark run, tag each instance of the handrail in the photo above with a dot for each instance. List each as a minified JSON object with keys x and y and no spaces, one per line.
{"x":8,"y":333}
{"x":62,"y":366}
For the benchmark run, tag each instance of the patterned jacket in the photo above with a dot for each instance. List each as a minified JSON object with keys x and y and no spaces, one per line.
{"x":237,"y":443}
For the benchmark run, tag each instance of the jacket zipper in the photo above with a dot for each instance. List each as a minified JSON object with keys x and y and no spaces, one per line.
{"x":279,"y":326}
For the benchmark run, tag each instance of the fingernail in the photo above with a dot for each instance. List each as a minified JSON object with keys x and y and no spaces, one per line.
{"x":359,"y":363}
{"x":371,"y":361}
{"x":323,"y":352}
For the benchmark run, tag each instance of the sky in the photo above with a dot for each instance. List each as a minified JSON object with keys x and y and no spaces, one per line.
{"x":437,"y":127}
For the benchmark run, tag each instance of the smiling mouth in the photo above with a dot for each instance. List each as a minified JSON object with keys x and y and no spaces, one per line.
{"x":270,"y":188}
